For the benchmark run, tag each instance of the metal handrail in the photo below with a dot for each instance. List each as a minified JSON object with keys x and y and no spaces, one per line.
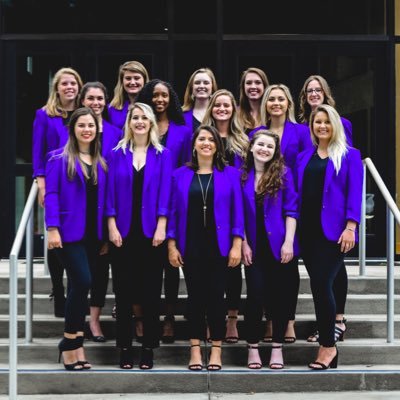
{"x":392,"y":214}
{"x":25,"y":229}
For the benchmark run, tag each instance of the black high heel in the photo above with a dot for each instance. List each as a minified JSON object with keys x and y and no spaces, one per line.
{"x":84,"y":363}
{"x":126,"y":358}
{"x":146,"y":360}
{"x":89,"y":335}
{"x":319,"y":365}
{"x":67,"y":344}
{"x":339,"y":332}
{"x":214,"y":367}
{"x":195,"y":367}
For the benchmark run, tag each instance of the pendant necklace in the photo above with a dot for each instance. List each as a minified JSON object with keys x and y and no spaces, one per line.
{"x":204,"y":196}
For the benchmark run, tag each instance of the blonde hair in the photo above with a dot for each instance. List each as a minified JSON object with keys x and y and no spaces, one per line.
{"x":53,"y":106}
{"x":337,"y":147}
{"x":188,"y":100}
{"x":237,"y":141}
{"x":119,"y":92}
{"x":304,"y":107}
{"x":246,"y":120}
{"x":128,"y":140}
{"x":290,"y":116}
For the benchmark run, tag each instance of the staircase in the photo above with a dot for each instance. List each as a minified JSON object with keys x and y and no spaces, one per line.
{"x":366,"y":361}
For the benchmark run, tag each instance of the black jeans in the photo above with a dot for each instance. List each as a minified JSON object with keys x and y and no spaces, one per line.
{"x":79,"y":258}
{"x":234,"y":288}
{"x":100,"y":276}
{"x":137,"y":277}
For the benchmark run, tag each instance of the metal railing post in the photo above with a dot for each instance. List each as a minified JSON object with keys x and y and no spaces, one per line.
{"x":362,"y":227}
{"x":29,"y":279}
{"x":390,"y":274}
{"x":13,"y":351}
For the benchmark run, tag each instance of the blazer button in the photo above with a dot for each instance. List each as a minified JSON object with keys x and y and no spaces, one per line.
{"x":269,"y":233}
{"x":218,"y":227}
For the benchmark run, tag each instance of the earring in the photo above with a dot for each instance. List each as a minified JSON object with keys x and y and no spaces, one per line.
{"x":194,"y":152}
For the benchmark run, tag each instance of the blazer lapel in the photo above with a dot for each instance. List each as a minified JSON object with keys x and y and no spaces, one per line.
{"x":330,"y":170}
{"x":150,"y":167}
{"x":250,"y":190}
{"x":286,"y":136}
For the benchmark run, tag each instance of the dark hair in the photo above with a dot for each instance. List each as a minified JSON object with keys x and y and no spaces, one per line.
{"x":218,"y":159}
{"x":174,"y":110}
{"x":272,"y":178}
{"x":95,"y":85}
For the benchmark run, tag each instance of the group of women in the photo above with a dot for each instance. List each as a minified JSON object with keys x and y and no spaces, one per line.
{"x":148,"y":187}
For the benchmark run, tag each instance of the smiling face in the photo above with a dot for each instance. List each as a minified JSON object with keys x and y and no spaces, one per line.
{"x":202,"y":86}
{"x":205,"y":145}
{"x":133,"y":82}
{"x":315,"y":94}
{"x":67,"y":88}
{"x":322,"y":127}
{"x":277,"y":103}
{"x":94,"y":99}
{"x":222,"y":109}
{"x":263,"y":149}
{"x":139,"y":123}
{"x":85,"y":129}
{"x":253,"y":86}
{"x":160,"y":98}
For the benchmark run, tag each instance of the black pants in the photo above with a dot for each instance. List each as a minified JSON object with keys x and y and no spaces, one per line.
{"x":137,"y":277}
{"x":206,"y":281}
{"x":56,"y":270}
{"x":269,"y":282}
{"x":340,"y":286}
{"x":79,"y":258}
{"x":100,"y":276}
{"x":171,"y":283}
{"x":323,"y":260}
{"x":234,"y":288}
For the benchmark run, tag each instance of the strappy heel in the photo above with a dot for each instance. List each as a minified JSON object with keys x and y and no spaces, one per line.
{"x":276,"y":365}
{"x":316,"y":365}
{"x":314,"y":337}
{"x":339,"y":332}
{"x":233,"y":338}
{"x":214,"y":367}
{"x":67,"y":344}
{"x":126,"y":358}
{"x":146,"y":360}
{"x":195,"y":367}
{"x":255,"y":364}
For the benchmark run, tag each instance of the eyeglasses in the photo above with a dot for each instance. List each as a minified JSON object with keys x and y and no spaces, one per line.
{"x":317,"y":90}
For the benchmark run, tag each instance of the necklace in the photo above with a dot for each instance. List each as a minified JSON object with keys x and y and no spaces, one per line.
{"x":204,"y":196}
{"x":85,"y":152}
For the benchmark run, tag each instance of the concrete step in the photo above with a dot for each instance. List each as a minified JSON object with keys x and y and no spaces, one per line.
{"x":51,"y":379}
{"x":358,"y":326}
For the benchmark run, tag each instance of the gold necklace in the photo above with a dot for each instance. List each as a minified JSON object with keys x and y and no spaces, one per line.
{"x":204,"y":196}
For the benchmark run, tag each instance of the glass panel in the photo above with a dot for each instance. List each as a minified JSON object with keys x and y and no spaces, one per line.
{"x":312,"y":17}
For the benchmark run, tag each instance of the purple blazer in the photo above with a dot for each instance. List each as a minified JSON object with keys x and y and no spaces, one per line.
{"x":49,"y":133}
{"x":341,"y":199}
{"x":188,"y":116}
{"x":276,"y":209}
{"x":156,"y":189}
{"x":348,"y":130}
{"x":179,"y":143}
{"x":228,"y":207}
{"x":295,"y":139}
{"x":110,"y":138}
{"x":118,"y":117}
{"x":65,"y":200}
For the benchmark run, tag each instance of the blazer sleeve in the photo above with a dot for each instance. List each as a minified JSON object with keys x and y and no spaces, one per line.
{"x":171,"y":225}
{"x":354,"y":185}
{"x":237,"y":217}
{"x":187,"y":147}
{"x":290,"y":197}
{"x":348,"y":131}
{"x":52,"y":196}
{"x":165,"y":184}
{"x":110,"y":210}
{"x":39,"y":144}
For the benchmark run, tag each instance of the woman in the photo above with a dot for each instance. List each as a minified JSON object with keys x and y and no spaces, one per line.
{"x":222,"y":113}
{"x":277,"y":115}
{"x":201,"y":85}
{"x":138,"y":193}
{"x":94,"y":96}
{"x":74,"y":205}
{"x":132,"y":76}
{"x":50,"y":132}
{"x":253,"y":83}
{"x":315,"y":92}
{"x":205,"y":234}
{"x":270,"y":203}
{"x":329,"y":181}
{"x":176,"y":137}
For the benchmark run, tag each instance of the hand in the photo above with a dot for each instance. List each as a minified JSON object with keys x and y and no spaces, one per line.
{"x":41,"y":194}
{"x":247,"y":254}
{"x":234,"y":256}
{"x":104,"y":249}
{"x":175,"y":257}
{"x":159,"y":236}
{"x":347,"y":241}
{"x":115,"y":237}
{"x":286,"y":252}
{"x":54,"y":239}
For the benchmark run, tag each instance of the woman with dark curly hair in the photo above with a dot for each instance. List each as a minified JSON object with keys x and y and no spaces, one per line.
{"x":270,"y":248}
{"x":176,"y":137}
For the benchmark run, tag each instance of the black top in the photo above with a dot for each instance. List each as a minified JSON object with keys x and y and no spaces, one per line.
{"x":163,"y":139}
{"x":201,"y":240}
{"x":91,"y":205}
{"x":261,"y":235}
{"x":196,"y":123}
{"x":311,"y":202}
{"x":229,"y":156}
{"x":66,"y":120}
{"x":136,"y":221}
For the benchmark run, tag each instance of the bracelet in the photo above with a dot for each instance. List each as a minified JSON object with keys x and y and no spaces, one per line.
{"x":350,"y":229}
